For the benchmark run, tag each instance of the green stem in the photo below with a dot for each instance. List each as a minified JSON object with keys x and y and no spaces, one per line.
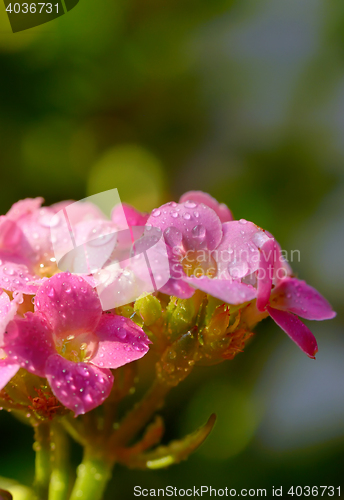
{"x":93,"y":475}
{"x":42,"y":460}
{"x":140,"y":415}
{"x":58,"y":487}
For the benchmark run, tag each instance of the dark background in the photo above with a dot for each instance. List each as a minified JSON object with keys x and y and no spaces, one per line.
{"x":243,"y":99}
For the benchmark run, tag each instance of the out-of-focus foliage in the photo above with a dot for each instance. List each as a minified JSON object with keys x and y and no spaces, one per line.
{"x":244,"y":99}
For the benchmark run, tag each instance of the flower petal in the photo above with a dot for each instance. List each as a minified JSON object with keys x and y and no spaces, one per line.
{"x":268,"y":253}
{"x":120,"y":341}
{"x":8,"y":310}
{"x":225,"y":215}
{"x":79,"y":386}
{"x":7,"y":371}
{"x":16,"y":277}
{"x":230,"y":292}
{"x":68,"y":303}
{"x":296,"y":296}
{"x":28,"y":342}
{"x":132,"y":216}
{"x":238,"y":252}
{"x":24,"y":207}
{"x":194,"y":225}
{"x":297,"y":331}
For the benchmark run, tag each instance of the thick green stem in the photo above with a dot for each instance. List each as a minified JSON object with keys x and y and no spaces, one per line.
{"x":140,"y":415}
{"x":42,"y":460}
{"x":58,"y":487}
{"x":93,"y":475}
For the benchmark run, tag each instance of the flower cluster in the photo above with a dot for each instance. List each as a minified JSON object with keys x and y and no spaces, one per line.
{"x":225,"y":275}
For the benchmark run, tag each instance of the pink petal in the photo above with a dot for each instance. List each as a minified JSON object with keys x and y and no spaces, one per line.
{"x":16,"y":276}
{"x":238,"y":252}
{"x":296,"y":296}
{"x":8,"y":310}
{"x":225,"y":215}
{"x":36,"y":228}
{"x":28,"y":342}
{"x":79,"y":386}
{"x":68,"y":303}
{"x":282,"y":269}
{"x":120,"y":341}
{"x":24,"y":207}
{"x":132,"y":216}
{"x":265,"y":273}
{"x":297,"y":331}
{"x":78,"y":211}
{"x":12,"y":239}
{"x":7,"y":371}
{"x":194,"y":225}
{"x":230,"y":292}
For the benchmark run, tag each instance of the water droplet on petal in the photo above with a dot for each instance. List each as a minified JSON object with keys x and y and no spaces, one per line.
{"x":190,"y":204}
{"x":199,"y":232}
{"x":186,"y":216}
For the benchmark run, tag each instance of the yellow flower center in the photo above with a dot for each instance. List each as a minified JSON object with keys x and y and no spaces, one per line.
{"x":46,"y":268}
{"x":78,"y":347}
{"x":199,"y":263}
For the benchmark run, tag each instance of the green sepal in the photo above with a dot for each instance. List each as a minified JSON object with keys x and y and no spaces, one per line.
{"x":149,"y":309}
{"x":178,"y":360}
{"x":174,"y":452}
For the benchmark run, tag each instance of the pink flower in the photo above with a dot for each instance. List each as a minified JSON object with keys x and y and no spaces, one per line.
{"x":237,"y":262}
{"x":213,"y":256}
{"x":223,"y":212}
{"x":26,"y":250}
{"x":70,"y":342}
{"x":292,"y":298}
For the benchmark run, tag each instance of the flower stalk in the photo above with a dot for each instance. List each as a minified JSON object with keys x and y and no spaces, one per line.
{"x":42,"y":460}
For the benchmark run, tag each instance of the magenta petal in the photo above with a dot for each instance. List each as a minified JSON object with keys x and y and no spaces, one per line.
{"x":24,"y":207}
{"x":17,"y":277}
{"x":296,"y":296}
{"x":225,"y":215}
{"x":8,"y":310}
{"x":230,"y":292}
{"x":194,"y":225}
{"x":177,"y":288}
{"x":265,"y":273}
{"x":238,"y":251}
{"x":297,"y":331}
{"x":120,"y":341}
{"x":132,"y":216}
{"x":69,"y":303}
{"x":28,"y":342}
{"x":79,"y":386}
{"x":7,"y":371}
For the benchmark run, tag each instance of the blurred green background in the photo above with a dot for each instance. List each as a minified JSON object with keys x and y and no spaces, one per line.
{"x":243,"y":99}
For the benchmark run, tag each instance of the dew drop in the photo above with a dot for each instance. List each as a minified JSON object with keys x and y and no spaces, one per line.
{"x":199,"y":232}
{"x":190,"y":204}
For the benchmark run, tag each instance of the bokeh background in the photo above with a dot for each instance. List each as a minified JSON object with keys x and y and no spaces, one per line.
{"x":243,"y":99}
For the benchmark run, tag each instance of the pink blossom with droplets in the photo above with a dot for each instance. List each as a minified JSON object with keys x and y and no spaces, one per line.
{"x":234,"y":250}
{"x":72,"y":343}
{"x":26,"y":250}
